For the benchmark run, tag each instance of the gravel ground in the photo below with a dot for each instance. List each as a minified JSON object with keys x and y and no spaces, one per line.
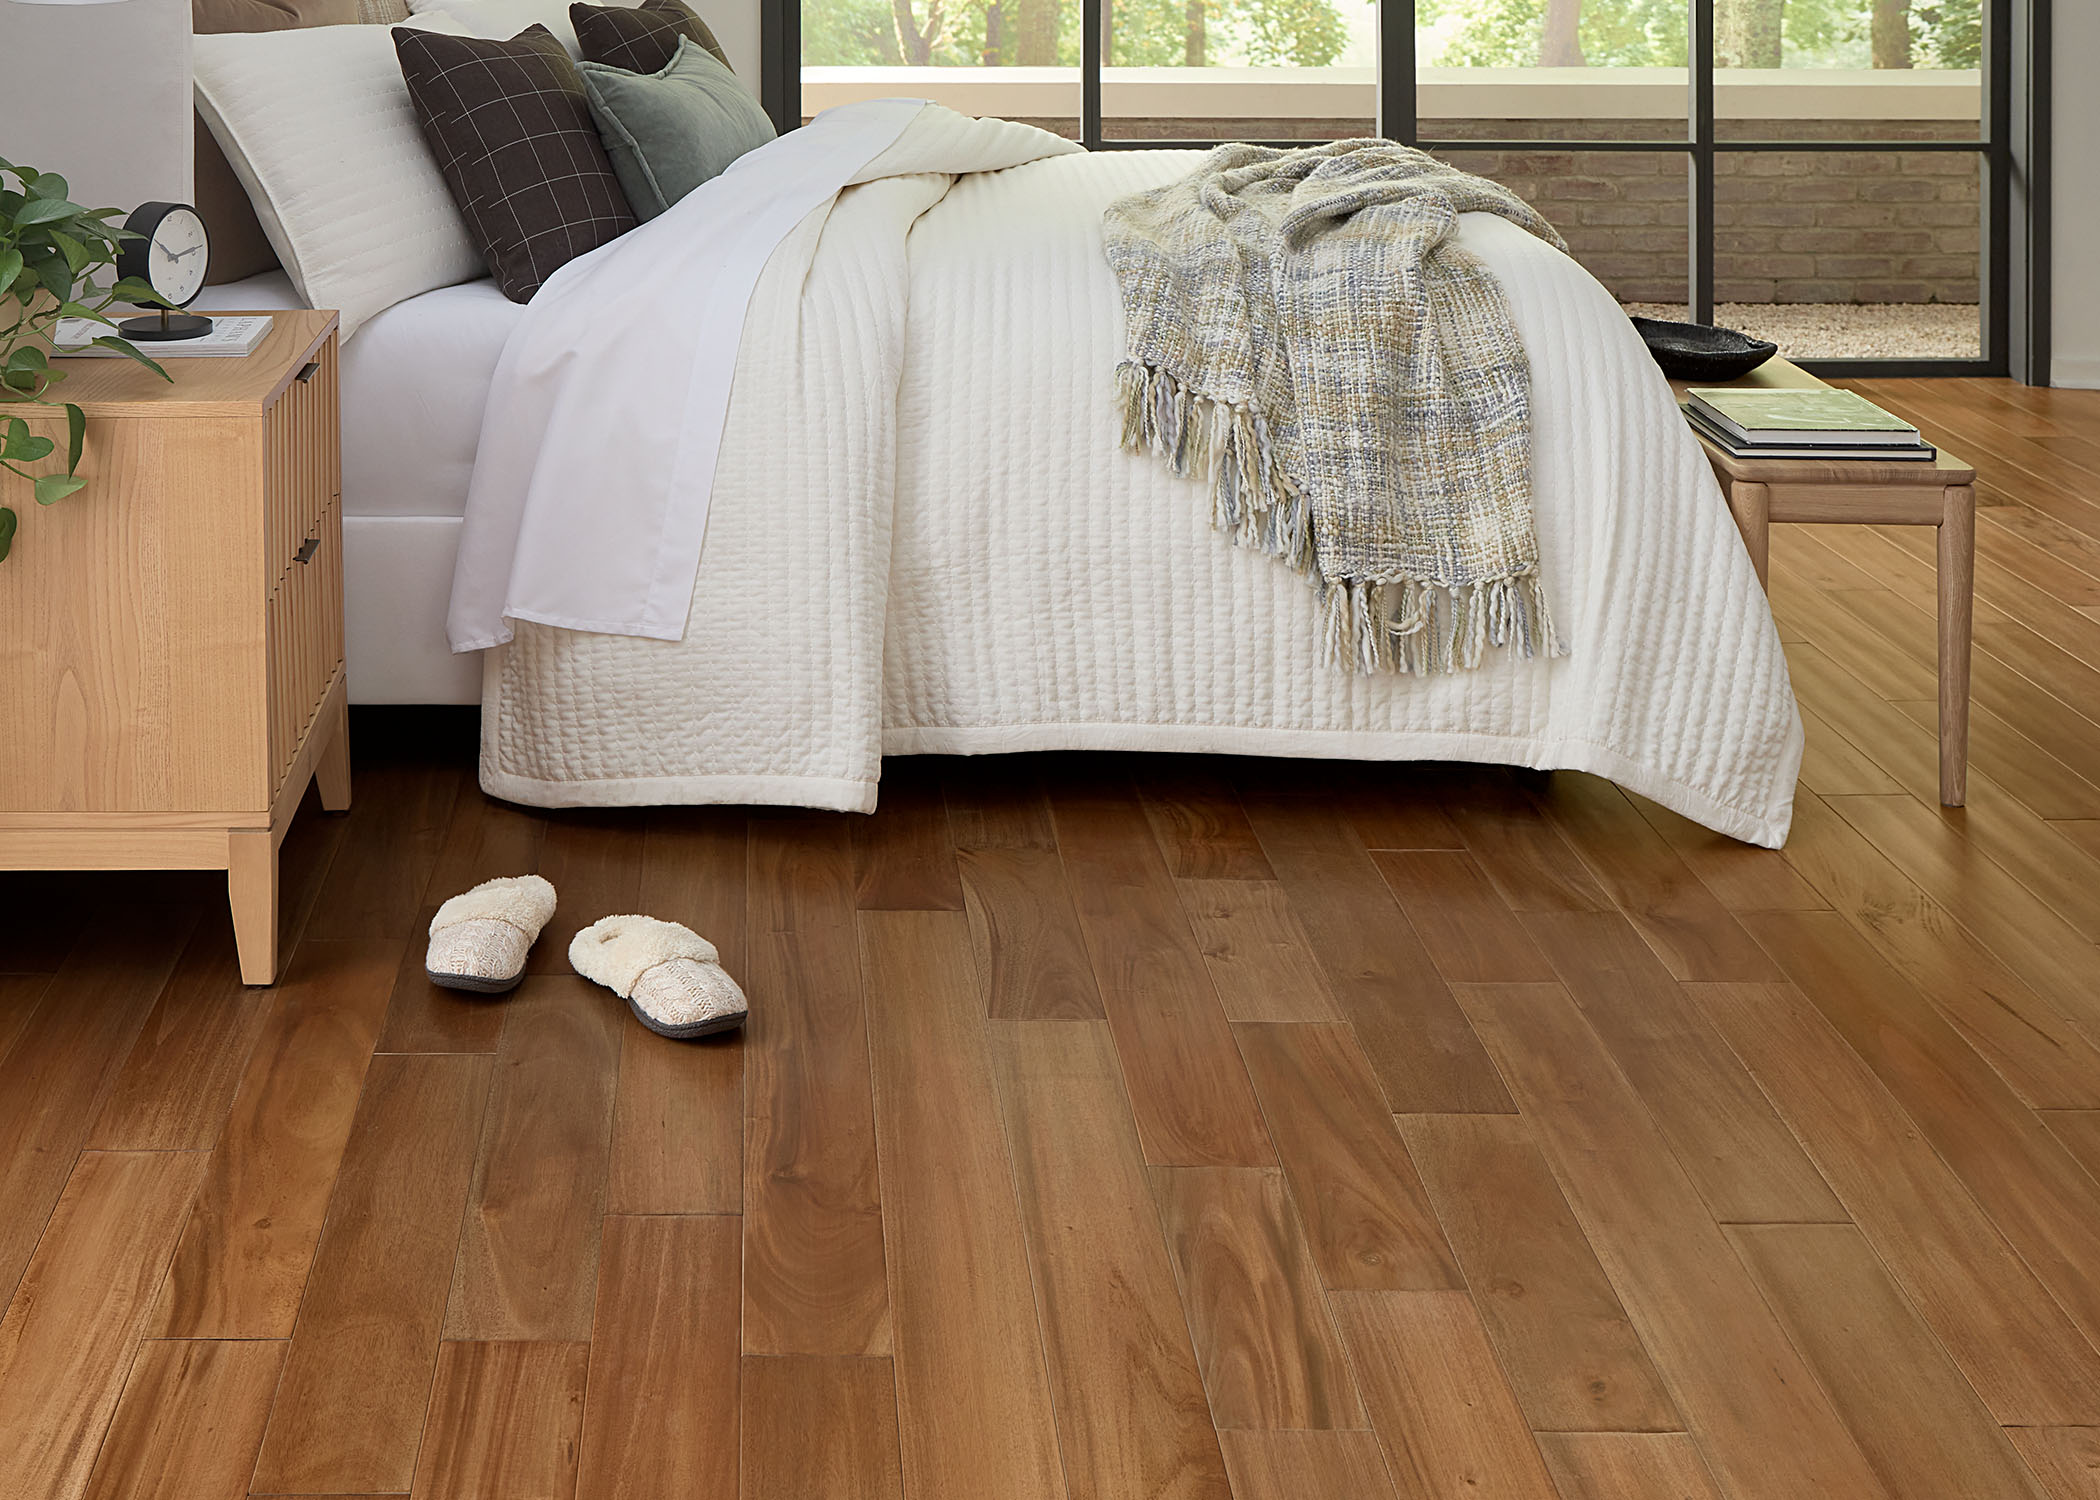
{"x":1838,"y":330}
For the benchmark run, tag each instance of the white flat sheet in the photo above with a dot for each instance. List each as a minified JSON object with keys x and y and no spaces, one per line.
{"x":415,"y":379}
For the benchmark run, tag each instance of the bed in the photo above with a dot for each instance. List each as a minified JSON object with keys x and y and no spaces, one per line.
{"x":895,"y":584}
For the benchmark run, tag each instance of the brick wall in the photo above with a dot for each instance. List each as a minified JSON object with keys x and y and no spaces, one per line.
{"x":1790,"y":226}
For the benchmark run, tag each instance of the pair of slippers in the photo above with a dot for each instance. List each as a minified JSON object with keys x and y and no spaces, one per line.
{"x":669,"y":975}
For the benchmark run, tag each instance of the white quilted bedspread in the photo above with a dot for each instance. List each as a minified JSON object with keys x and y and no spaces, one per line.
{"x":922,"y":538}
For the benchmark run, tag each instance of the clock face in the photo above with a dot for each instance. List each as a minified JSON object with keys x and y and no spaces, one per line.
{"x":175,"y":260}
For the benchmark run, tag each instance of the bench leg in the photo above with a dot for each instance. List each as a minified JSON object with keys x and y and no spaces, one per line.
{"x":1957,"y":603}
{"x":251,"y":888}
{"x":1751,"y":505}
{"x":332,"y":775}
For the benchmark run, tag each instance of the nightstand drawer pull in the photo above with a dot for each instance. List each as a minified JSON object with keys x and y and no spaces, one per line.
{"x":307,"y":549}
{"x":312,"y":368}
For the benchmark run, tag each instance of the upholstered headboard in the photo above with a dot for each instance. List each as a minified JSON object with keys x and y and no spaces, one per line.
{"x":239,"y":248}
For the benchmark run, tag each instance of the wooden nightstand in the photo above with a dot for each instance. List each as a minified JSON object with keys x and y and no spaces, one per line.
{"x":171,"y":637}
{"x":1860,"y":492}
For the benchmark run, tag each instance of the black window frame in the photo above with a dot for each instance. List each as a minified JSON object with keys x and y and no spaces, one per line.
{"x":2012,"y":147}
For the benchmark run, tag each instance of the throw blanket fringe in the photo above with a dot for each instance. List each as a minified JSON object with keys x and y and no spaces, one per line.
{"x":1375,"y":625}
{"x":1307,"y":339}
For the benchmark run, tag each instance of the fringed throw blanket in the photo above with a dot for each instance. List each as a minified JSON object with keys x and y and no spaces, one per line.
{"x":1305,"y":333}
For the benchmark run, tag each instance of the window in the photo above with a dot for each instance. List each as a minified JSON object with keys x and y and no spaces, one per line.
{"x":1836,"y":175}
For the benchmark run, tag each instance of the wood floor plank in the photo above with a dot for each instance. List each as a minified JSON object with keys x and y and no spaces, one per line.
{"x":527,"y":1266}
{"x":819,"y":1428}
{"x":1471,"y":936}
{"x":2066,"y":1459}
{"x":426,"y":1017}
{"x":484,"y":839}
{"x":1762,"y":1423}
{"x":1366,"y":1215}
{"x":2032,"y":1045}
{"x":2027,"y":771}
{"x":391,"y":841}
{"x":2026,"y":1359}
{"x":593,"y":860}
{"x":1397,"y":806}
{"x":1627,"y":1466}
{"x":72,"y":1327}
{"x":178,"y":1080}
{"x":997,"y":802}
{"x":1202,"y":829}
{"x":20,"y":994}
{"x":1832,"y":764}
{"x":1193,"y":1103}
{"x":1031,"y":959}
{"x":1524,"y":857}
{"x":973,"y":1397}
{"x":66,"y":1057}
{"x":1255,"y":1306}
{"x":1423,"y":1053}
{"x":2031,"y":940}
{"x":358,"y":1375}
{"x":1129,"y":1401}
{"x":242,"y":1264}
{"x":1690,"y":931}
{"x":1564,"y":1341}
{"x":1737,"y":1151}
{"x":1743,"y":876}
{"x":678,"y":1125}
{"x":799,"y":874}
{"x":905,"y":859}
{"x":1279,"y":1465}
{"x":813,"y":1249}
{"x":1918,"y":1421}
{"x":2038,"y":1197}
{"x":695,"y":861}
{"x":2079,"y":1130}
{"x":504,"y":1422}
{"x":659,"y":1416}
{"x":1448,"y":1423}
{"x":190,"y":1421}
{"x":1260,"y":959}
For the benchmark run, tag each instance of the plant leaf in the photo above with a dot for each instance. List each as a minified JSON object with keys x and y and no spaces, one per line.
{"x":28,"y":357}
{"x":7,"y":532}
{"x":76,"y":254}
{"x":76,"y":436}
{"x":46,"y":211}
{"x":83,"y":311}
{"x":125,"y":348}
{"x":138,"y":293}
{"x":10,"y":267}
{"x":47,"y":185}
{"x":52,"y":488}
{"x":24,"y":446}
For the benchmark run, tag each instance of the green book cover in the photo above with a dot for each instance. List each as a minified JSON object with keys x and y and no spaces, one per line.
{"x":1800,"y":409}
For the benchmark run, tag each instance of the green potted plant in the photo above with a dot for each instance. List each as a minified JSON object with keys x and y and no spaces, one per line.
{"x":51,"y":250}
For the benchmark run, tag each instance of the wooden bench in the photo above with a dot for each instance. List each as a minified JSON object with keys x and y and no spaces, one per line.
{"x":1861,"y":492}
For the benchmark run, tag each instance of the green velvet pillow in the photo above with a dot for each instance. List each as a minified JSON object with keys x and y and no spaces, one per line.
{"x":669,"y":132}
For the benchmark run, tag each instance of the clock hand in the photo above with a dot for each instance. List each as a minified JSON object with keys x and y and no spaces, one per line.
{"x":181,"y":254}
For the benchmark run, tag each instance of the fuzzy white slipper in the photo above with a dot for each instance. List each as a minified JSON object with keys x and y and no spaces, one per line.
{"x":670,"y":976}
{"x":479,"y":939}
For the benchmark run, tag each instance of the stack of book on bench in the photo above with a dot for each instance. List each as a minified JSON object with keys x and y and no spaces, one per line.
{"x":1801,"y":422}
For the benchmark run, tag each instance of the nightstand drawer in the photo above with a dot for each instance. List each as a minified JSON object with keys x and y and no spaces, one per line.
{"x":302,"y":456}
{"x":304,"y":645}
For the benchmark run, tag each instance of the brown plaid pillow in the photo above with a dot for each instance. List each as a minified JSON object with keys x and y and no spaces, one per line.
{"x":642,"y":38}
{"x":511,"y":129}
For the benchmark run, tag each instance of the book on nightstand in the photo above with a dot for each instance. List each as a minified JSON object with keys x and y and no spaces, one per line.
{"x":230,"y":338}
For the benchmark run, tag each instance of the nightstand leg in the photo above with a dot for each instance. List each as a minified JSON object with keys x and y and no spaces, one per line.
{"x":332,"y":774}
{"x":1751,"y":505}
{"x":251,"y":888}
{"x":1957,"y":584}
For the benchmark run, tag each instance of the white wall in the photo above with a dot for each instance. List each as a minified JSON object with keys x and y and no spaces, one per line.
{"x":99,"y":94}
{"x":735,"y":25}
{"x":2075,"y":254}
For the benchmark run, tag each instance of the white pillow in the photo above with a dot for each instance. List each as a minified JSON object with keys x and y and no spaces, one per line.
{"x":501,"y":20}
{"x":319,"y":128}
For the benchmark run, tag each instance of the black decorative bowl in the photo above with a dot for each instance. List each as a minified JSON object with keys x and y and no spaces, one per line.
{"x":1692,"y":351}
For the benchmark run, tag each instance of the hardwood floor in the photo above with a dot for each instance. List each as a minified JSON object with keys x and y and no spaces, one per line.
{"x":1111,"y":1128}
